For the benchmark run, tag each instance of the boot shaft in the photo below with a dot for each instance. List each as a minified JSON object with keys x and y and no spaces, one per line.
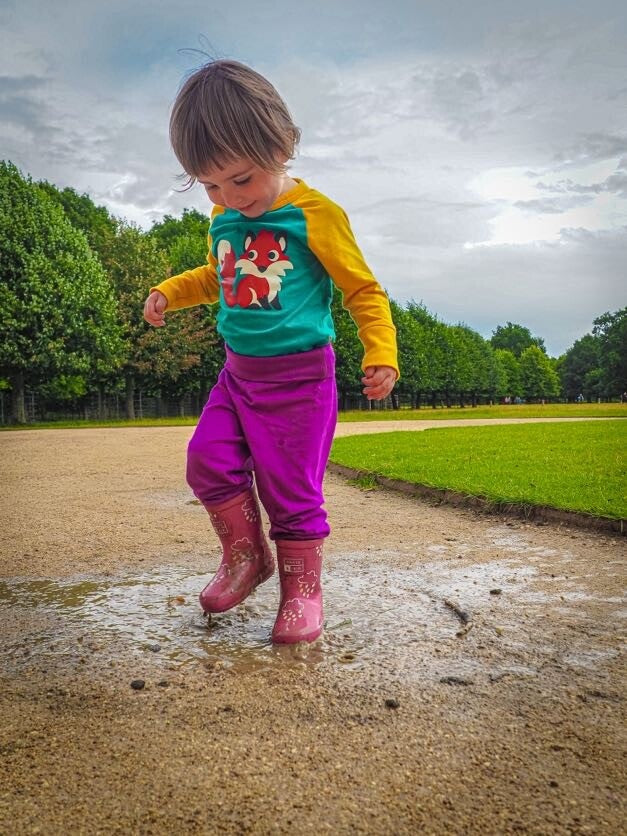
{"x":236,"y":518}
{"x":246,"y":557}
{"x":300,"y":615}
{"x":300,"y":566}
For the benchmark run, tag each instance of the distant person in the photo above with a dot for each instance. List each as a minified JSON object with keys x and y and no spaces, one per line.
{"x":275,"y":248}
{"x":580,"y":398}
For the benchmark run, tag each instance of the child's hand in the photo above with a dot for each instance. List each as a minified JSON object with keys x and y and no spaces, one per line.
{"x":154,"y":308}
{"x":378,"y":382}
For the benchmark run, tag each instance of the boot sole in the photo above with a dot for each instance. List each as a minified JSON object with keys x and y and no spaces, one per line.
{"x":310,"y":637}
{"x":260,"y":579}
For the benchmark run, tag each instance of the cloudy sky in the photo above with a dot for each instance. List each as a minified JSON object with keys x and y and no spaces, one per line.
{"x":479,"y":147}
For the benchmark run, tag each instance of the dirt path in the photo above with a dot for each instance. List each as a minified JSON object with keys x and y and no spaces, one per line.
{"x":470,"y":679}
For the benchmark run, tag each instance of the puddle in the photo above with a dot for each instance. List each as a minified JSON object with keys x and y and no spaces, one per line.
{"x":375,"y":616}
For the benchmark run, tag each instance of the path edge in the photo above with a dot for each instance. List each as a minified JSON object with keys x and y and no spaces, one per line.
{"x":537,"y":513}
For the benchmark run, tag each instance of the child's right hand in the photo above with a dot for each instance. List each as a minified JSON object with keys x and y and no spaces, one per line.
{"x":154,"y":308}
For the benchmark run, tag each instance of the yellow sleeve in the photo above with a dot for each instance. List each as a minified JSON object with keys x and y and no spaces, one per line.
{"x":199,"y":286}
{"x":331,"y":239}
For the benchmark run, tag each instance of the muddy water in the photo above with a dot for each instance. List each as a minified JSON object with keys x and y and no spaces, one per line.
{"x":442,"y":621}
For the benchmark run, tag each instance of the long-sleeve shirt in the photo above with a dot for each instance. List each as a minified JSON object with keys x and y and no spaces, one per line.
{"x":273,"y":274}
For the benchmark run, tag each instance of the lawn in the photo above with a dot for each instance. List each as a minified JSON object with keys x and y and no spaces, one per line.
{"x":594,"y":410}
{"x":527,"y":410}
{"x":574,"y":466}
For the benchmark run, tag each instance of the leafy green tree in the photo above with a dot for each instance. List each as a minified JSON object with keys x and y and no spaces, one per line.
{"x":611,"y":330}
{"x":498,"y":384}
{"x":515,"y":338}
{"x":576,"y":366}
{"x":447,"y":345}
{"x":434,"y":351}
{"x":474,"y":364}
{"x":412,"y":352}
{"x":170,"y":357}
{"x":95,"y":222}
{"x":58,"y":310}
{"x":193,"y":226}
{"x":538,"y":377}
{"x":184,"y":241}
{"x":348,"y":350}
{"x":509,"y":374}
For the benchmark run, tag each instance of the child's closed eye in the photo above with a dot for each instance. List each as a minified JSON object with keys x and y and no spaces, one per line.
{"x":242,"y":182}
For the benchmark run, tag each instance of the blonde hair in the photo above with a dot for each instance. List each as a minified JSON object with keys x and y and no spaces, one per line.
{"x":225,"y":111}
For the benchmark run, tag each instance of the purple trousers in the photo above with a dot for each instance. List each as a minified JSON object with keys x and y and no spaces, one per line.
{"x":274,"y":416}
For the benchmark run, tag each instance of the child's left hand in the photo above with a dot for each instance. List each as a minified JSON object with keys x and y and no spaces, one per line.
{"x":378,"y":382}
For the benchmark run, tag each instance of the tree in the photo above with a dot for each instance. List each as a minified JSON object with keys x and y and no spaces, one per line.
{"x":192,"y":226}
{"x":509,"y":374}
{"x":58,"y":310}
{"x":168,"y":358}
{"x":412,"y":352}
{"x":515,"y":338}
{"x":539,"y":378}
{"x":579,"y":368}
{"x":184,"y":241}
{"x":348,"y":350}
{"x":611,"y":330}
{"x":432,"y":368}
{"x":95,"y":222}
{"x":474,"y":364}
{"x":498,"y":376}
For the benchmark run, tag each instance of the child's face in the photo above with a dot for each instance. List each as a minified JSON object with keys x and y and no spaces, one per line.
{"x":244,"y":186}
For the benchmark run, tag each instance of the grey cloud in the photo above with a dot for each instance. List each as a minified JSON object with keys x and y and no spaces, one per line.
{"x":13,"y":86}
{"x":617,"y":94}
{"x":22,"y":105}
{"x":487,"y":286}
{"x":595,"y":146}
{"x":552,"y":206}
{"x":615,"y":183}
{"x":603,"y":241}
{"x":424,"y":222}
{"x":462,"y":100}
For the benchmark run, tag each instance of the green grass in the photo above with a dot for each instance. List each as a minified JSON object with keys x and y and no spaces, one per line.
{"x":82,"y":424}
{"x":577,"y":467}
{"x":603,"y":410}
{"x":549,"y":410}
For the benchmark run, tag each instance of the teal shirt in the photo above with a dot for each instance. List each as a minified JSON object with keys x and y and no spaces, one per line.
{"x":273,"y":278}
{"x":275,"y":295}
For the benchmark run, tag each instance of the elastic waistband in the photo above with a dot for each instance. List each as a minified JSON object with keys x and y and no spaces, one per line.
{"x":317,"y":364}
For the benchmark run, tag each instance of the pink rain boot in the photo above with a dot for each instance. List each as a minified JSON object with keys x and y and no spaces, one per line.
{"x":247,"y":560}
{"x":300,"y":611}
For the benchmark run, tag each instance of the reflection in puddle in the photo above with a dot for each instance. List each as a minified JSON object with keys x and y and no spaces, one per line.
{"x":158,"y":612}
{"x":375,"y":615}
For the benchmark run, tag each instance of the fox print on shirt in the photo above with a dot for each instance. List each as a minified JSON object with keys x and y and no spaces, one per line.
{"x":262,"y":265}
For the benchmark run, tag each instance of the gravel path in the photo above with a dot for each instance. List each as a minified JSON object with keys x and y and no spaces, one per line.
{"x":470,"y":679}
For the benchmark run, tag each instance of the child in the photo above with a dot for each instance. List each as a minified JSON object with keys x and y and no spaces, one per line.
{"x":274,"y":246}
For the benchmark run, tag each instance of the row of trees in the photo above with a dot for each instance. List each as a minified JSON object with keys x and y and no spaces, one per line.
{"x":74,"y":279}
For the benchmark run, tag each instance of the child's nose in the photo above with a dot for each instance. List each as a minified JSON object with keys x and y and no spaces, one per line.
{"x":231,"y":199}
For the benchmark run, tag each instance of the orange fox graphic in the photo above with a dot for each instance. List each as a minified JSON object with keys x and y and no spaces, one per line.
{"x":262,"y":264}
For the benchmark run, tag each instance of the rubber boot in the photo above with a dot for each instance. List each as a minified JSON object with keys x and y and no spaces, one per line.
{"x":246,"y":560}
{"x":300,"y":612}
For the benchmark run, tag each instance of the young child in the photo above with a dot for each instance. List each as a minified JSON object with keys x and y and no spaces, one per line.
{"x":275,"y":246}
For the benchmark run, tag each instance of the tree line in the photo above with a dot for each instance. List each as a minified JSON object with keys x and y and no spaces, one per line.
{"x":74,"y":278}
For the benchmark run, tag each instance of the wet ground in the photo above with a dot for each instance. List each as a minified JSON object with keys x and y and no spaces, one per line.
{"x":470,"y":678}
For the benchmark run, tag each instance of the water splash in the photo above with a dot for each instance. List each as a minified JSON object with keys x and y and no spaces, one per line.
{"x":375,"y":617}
